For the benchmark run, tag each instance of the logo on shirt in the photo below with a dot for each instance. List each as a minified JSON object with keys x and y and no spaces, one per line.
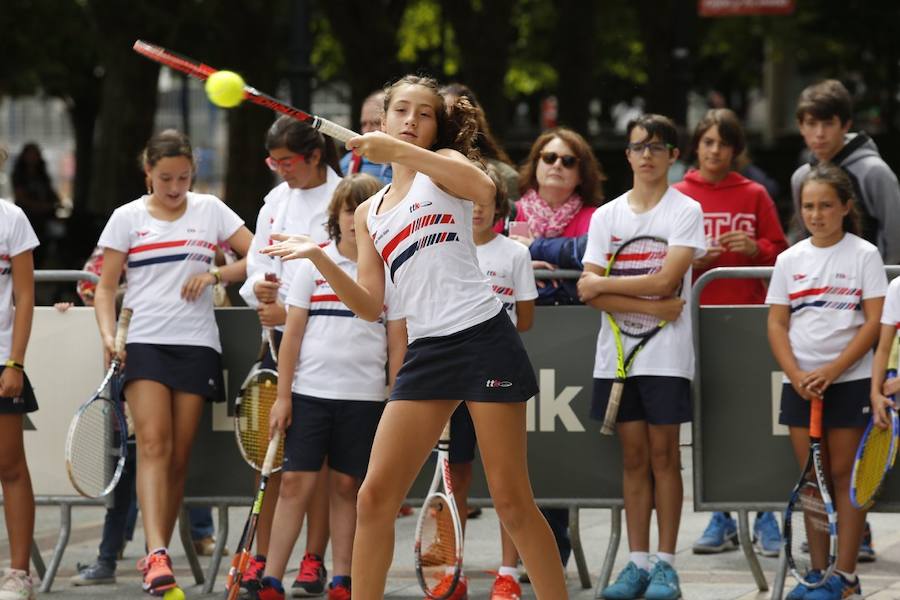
{"x":320,"y":282}
{"x":141,"y":234}
{"x":492,"y":273}
{"x":841,"y":276}
{"x":497,"y":383}
{"x":717,"y":223}
{"x":379,"y":235}
{"x":417,"y":205}
{"x":799,"y":276}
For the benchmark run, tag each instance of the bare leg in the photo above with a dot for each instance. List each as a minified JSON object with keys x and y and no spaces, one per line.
{"x":500,"y":428}
{"x":187,"y":410}
{"x":294,"y":497}
{"x":406,"y":434}
{"x":344,"y":489}
{"x":317,"y":515}
{"x":637,"y":485}
{"x":461,"y":477}
{"x":509,"y":555}
{"x":267,"y":513}
{"x":668,"y":489}
{"x":842,"y":444}
{"x":18,"y":497}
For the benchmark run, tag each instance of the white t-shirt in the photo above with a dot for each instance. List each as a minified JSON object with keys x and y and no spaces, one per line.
{"x":162,"y":256}
{"x":291,"y":211}
{"x":679,"y":220}
{"x":507,"y":264}
{"x":890,"y":314}
{"x":824,"y":288}
{"x":16,"y":237}
{"x":426,"y":242}
{"x":342,"y":357}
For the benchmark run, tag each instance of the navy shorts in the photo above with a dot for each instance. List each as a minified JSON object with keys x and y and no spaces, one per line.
{"x":485,"y":363}
{"x":462,"y":436}
{"x":659,"y":400}
{"x":845,"y":404}
{"x":25,"y":402}
{"x":342,"y":430}
{"x":191,"y":369}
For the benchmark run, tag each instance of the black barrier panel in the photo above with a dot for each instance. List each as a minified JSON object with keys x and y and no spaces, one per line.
{"x":741,"y":461}
{"x":568,"y":458}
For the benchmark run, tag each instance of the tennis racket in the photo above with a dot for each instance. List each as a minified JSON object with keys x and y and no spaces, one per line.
{"x":251,"y":417}
{"x":810,"y":514}
{"x":877,"y":451}
{"x":438,"y":545}
{"x":98,"y":434}
{"x":242,"y":558}
{"x":202,"y":72}
{"x":270,"y":332}
{"x":638,"y":256}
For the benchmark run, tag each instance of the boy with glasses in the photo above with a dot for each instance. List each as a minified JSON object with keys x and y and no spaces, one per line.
{"x":656,"y":398}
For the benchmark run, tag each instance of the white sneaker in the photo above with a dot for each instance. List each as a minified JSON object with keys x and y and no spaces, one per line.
{"x":16,"y":585}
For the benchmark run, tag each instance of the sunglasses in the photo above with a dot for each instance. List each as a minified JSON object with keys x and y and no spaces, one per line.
{"x":568,"y":161}
{"x":285,"y":164}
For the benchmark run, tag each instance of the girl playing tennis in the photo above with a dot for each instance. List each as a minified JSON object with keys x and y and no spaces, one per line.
{"x":17,"y":241}
{"x":168,"y":238}
{"x":463,"y":347}
{"x":825,"y":298}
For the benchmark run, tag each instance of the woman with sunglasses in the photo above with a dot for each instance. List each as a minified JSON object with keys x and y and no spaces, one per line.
{"x":308,"y":164}
{"x":561,"y":184}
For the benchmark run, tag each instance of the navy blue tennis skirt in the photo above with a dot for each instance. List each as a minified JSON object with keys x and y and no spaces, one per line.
{"x":191,"y":369}
{"x":25,"y":402}
{"x":485,"y":363}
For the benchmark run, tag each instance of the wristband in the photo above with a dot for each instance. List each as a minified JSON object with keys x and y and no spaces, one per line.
{"x":14,"y":365}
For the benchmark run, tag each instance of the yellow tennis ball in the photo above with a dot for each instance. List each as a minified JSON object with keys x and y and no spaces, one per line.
{"x":174,"y":594}
{"x":225,"y":89}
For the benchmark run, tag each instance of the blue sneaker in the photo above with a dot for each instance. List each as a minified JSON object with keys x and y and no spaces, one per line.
{"x":631,"y":583}
{"x":720,"y":535}
{"x":766,"y":535}
{"x":800,"y":591}
{"x":835,"y":588}
{"x":663,"y":583}
{"x":866,"y":550}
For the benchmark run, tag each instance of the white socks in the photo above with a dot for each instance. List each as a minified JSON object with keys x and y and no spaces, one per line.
{"x":666,"y":558}
{"x":641,"y":559}
{"x":509,"y":571}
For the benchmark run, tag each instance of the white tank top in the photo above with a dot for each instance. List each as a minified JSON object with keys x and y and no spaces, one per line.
{"x":426,"y":243}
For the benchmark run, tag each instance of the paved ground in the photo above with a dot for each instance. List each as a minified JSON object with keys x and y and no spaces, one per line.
{"x":719,"y":577}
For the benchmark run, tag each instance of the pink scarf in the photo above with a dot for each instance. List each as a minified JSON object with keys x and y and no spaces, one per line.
{"x":547,"y":222}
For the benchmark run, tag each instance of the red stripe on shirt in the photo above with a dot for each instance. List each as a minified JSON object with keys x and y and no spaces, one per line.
{"x":324,"y":298}
{"x":839,"y":291}
{"x":173,"y":244}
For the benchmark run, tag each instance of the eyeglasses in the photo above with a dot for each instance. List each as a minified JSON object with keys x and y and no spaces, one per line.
{"x":285,"y":164}
{"x":655,"y":148}
{"x":568,"y":161}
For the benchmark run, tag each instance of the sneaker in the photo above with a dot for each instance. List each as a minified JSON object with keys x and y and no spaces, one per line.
{"x":270,"y":589}
{"x":405,"y":510}
{"x":338,"y":592}
{"x":720,"y":535}
{"x":866,"y":550}
{"x":99,"y":573}
{"x":157,"y":570}
{"x":206,"y":546}
{"x":312,"y":577}
{"x":800,"y":591}
{"x":16,"y":585}
{"x":460,"y":593}
{"x":631,"y":583}
{"x":505,"y":588}
{"x":663,"y":583}
{"x":474,"y":512}
{"x":835,"y":588}
{"x":252,"y":577}
{"x":766,"y":535}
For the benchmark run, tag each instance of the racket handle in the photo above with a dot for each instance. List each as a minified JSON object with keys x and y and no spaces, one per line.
{"x":122,"y":329}
{"x":612,"y":408}
{"x":815,"y":418}
{"x":333,"y":129}
{"x":271,"y":451}
{"x":895,"y":349}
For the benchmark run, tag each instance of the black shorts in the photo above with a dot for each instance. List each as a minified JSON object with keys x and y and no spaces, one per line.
{"x":659,"y":400}
{"x":191,"y":369}
{"x":485,"y":363}
{"x":23,"y":403}
{"x":462,"y":436}
{"x":342,"y":430}
{"x":267,"y":361}
{"x":845,"y":404}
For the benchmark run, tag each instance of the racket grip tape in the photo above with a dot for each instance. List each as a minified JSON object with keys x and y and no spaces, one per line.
{"x":612,"y":408}
{"x":815,"y":418}
{"x":333,"y":129}
{"x":271,"y":451}
{"x":122,"y":329}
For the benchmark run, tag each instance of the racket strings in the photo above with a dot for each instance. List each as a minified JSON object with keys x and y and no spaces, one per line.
{"x":438,"y":540}
{"x":810,"y":531}
{"x":96,"y":448}
{"x":872,"y":464}
{"x":638,"y":257}
{"x":257,"y":399}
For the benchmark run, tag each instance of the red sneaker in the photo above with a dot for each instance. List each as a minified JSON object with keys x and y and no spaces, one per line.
{"x":505,"y":588}
{"x":251,"y":578}
{"x":338,"y":592}
{"x":460,"y":593}
{"x":312,"y":577}
{"x":157,"y":570}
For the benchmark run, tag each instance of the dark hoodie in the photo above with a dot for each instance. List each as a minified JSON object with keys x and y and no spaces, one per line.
{"x":875,"y":184}
{"x":736,"y":203}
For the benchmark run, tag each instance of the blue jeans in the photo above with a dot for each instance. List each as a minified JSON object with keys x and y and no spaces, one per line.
{"x":558,"y":519}
{"x":201,"y":522}
{"x":118,"y":524}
